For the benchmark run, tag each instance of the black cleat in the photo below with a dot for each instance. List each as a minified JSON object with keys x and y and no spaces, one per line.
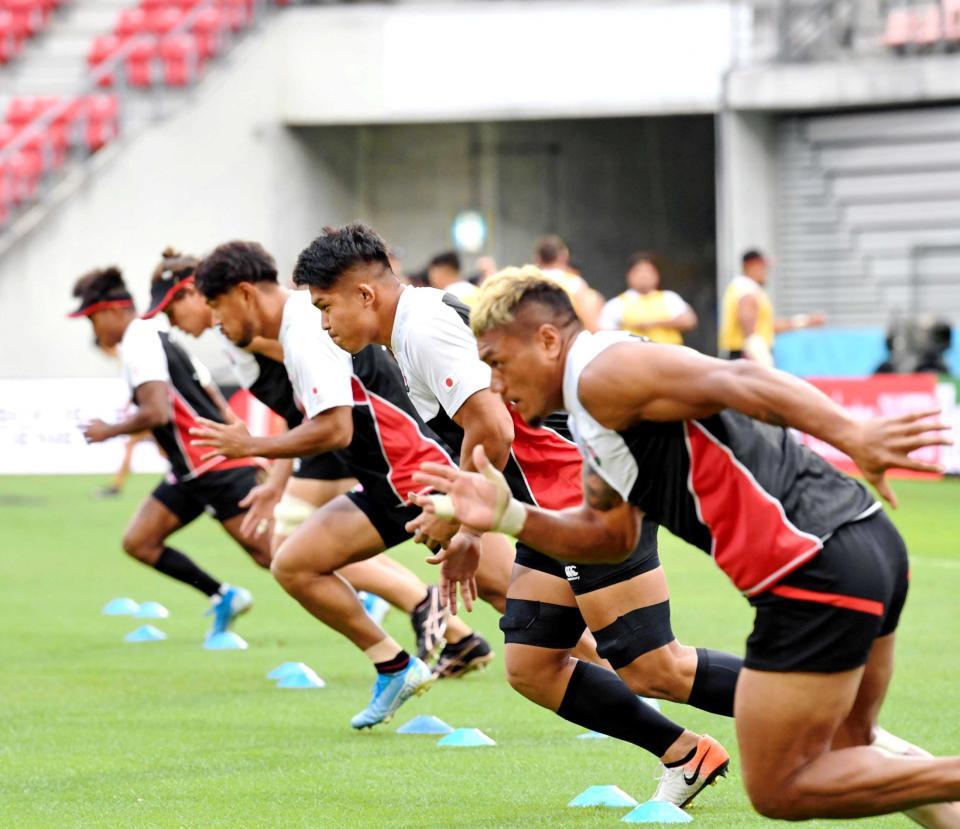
{"x":429,"y":622}
{"x":470,"y":654}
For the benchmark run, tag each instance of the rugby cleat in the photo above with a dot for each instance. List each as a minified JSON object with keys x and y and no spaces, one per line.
{"x":226,"y":606}
{"x":429,"y":622}
{"x":681,"y":784}
{"x":465,"y":656}
{"x":375,"y":607}
{"x":390,"y":691}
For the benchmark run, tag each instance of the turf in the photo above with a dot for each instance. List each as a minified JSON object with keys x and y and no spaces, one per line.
{"x":96,"y":732}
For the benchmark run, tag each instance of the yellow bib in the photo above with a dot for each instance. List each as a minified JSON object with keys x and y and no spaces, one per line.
{"x":646,"y":308}
{"x":731,"y":334}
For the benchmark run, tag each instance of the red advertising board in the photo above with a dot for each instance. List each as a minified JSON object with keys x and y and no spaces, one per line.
{"x":880,"y":395}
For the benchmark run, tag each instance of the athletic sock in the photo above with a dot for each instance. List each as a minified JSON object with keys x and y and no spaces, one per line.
{"x":599,"y":700}
{"x":175,"y":564}
{"x":715,"y":682}
{"x":391,"y":666}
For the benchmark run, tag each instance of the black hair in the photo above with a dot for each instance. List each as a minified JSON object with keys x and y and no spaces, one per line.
{"x":173,"y":265}
{"x":643,"y":256}
{"x":232,"y":263}
{"x":550,"y":249}
{"x":335,"y":251}
{"x":101,"y":285}
{"x":752,"y":255}
{"x":551,"y":296}
{"x":447,"y":259}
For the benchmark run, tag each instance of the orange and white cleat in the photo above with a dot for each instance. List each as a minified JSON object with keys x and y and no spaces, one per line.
{"x":681,"y":784}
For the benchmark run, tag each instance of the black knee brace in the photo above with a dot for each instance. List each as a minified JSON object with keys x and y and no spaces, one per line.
{"x":634,"y":634}
{"x":541,"y":624}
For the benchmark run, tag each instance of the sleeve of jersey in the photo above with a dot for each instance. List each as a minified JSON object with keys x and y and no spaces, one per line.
{"x":445,"y":356}
{"x":321,"y":371}
{"x":675,"y":303}
{"x":144,"y":360}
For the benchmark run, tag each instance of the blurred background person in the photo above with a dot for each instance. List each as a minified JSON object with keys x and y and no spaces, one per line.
{"x":747,"y":324}
{"x":444,"y":272}
{"x":552,"y":256}
{"x":647,"y":310}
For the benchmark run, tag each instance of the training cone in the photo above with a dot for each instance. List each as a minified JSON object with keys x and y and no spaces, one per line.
{"x":301,"y":678}
{"x":425,"y":724}
{"x":145,"y":633}
{"x":466,"y":738}
{"x":284,"y":670}
{"x":592,"y":735}
{"x":657,"y":811}
{"x":228,"y":641}
{"x":152,"y":610}
{"x":612,"y":796}
{"x":120,"y":607}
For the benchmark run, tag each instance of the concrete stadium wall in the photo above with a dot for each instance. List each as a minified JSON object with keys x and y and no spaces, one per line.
{"x":223,"y":167}
{"x":608,"y":186}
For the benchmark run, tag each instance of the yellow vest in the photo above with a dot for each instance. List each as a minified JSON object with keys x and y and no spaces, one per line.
{"x":644,"y":308}
{"x":731,"y":334}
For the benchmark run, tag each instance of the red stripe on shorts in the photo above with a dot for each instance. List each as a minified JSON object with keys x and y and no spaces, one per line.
{"x":870,"y":606}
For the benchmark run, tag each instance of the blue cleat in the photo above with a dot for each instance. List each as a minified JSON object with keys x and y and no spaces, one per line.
{"x":226,"y":606}
{"x":390,"y":691}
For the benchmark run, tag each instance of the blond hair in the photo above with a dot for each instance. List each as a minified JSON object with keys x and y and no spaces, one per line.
{"x":502,"y":294}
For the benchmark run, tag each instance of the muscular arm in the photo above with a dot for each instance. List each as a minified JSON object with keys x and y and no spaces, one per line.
{"x":747,"y":312}
{"x":153,"y":410}
{"x":485,"y":422}
{"x":604,"y":529}
{"x":685,"y":321}
{"x":331,"y":429}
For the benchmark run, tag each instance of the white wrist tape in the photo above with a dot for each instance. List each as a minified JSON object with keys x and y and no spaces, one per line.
{"x":513,"y":518}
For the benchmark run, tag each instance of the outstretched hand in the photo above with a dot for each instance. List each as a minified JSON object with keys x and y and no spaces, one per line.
{"x":884,"y":443}
{"x":459,"y":562}
{"x":229,"y":440}
{"x":476,"y":499}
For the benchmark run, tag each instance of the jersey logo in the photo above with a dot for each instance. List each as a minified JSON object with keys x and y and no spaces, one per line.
{"x":449,"y":382}
{"x":571,"y":573}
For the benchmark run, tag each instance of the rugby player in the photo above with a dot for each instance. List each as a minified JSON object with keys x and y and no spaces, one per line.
{"x":356,"y":407}
{"x":315,"y":479}
{"x":701,"y":446}
{"x":549,"y":604}
{"x":171,"y":390}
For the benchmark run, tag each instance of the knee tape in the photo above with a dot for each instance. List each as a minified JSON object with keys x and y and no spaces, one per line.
{"x":541,"y":624}
{"x":634,"y":634}
{"x":290,"y":513}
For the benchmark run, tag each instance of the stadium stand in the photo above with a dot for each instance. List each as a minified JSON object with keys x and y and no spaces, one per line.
{"x":96,"y":63}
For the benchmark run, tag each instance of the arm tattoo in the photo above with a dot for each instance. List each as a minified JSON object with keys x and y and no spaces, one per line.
{"x":598,"y":493}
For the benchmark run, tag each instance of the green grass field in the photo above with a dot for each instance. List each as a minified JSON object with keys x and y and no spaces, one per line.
{"x":96,"y":732}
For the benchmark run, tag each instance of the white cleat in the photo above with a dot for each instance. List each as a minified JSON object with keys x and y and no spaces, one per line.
{"x":681,"y":784}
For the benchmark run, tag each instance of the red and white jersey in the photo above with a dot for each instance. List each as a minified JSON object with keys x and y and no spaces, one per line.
{"x":438,"y":357}
{"x":390,"y":441}
{"x":743,"y":491}
{"x":149,"y":355}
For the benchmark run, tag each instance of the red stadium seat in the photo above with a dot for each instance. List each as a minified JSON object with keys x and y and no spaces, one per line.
{"x":163,"y":20}
{"x":179,"y":55}
{"x":951,"y":20}
{"x":928,"y":25}
{"x":130,"y":23}
{"x":102,"y":116}
{"x":27,"y":17}
{"x":23,"y":109}
{"x":237,"y":13}
{"x":208,"y":28}
{"x":9,"y":45}
{"x":101,"y":50}
{"x":140,"y":61}
{"x":900,"y":28}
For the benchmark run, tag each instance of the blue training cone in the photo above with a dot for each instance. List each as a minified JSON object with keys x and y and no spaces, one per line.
{"x":301,"y":678}
{"x":152,"y":610}
{"x":657,"y":811}
{"x":612,"y":796}
{"x":592,"y":735}
{"x":284,"y":670}
{"x":120,"y":607}
{"x":466,"y":738}
{"x":425,"y":724}
{"x":145,"y":633}
{"x":228,"y":641}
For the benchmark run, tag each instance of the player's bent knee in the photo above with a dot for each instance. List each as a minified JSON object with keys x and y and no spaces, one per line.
{"x":141,"y":548}
{"x":541,"y":624}
{"x":634,"y":634}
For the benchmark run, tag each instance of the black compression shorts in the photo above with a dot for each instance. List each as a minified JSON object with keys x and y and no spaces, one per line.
{"x":825,"y":616}
{"x":218,"y":493}
{"x":324,"y":467}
